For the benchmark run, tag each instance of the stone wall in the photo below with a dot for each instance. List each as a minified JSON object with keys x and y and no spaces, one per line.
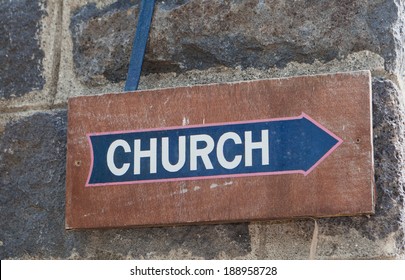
{"x":51,"y":50}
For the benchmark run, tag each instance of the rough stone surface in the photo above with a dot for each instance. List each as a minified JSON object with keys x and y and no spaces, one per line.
{"x":281,"y":239}
{"x":32,"y":198}
{"x":20,"y":53}
{"x":357,"y":61}
{"x":193,"y":34}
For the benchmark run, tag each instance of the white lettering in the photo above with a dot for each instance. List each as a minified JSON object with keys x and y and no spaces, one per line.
{"x":165,"y":154}
{"x":151,"y":154}
{"x":250,"y":146}
{"x":110,"y":157}
{"x":203,"y":152}
{"x":220,"y":150}
{"x":201,"y":147}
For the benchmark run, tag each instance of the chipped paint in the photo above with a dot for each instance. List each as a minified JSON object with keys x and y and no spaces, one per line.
{"x":186,"y":121}
{"x":215,"y":185}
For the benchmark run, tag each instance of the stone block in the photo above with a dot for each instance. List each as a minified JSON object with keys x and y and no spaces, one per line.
{"x":21,"y":56}
{"x":29,"y":53}
{"x":192,"y":34}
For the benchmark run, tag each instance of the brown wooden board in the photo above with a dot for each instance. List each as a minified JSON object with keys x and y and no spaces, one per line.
{"x":341,"y":184}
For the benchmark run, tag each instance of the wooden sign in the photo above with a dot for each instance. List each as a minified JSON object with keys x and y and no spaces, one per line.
{"x":257,"y":150}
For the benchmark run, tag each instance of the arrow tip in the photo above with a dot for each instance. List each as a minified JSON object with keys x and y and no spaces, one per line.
{"x":327,"y":131}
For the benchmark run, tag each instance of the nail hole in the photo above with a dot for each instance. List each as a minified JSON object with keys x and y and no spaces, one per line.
{"x":358,"y":140}
{"x":78,"y":162}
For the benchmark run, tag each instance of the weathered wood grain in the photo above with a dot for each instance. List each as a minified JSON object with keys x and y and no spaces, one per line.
{"x":343,"y":184}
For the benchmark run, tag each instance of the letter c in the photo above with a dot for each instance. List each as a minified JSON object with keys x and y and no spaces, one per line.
{"x":220,"y":150}
{"x":110,"y":157}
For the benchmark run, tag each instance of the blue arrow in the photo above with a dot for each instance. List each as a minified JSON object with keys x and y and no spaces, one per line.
{"x":299,"y":145}
{"x":283,"y":146}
